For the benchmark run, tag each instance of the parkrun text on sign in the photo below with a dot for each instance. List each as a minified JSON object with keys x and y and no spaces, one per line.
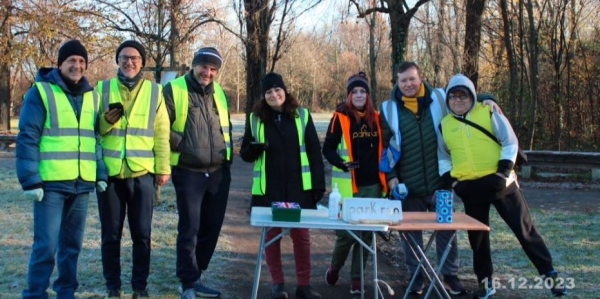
{"x":372,"y":210}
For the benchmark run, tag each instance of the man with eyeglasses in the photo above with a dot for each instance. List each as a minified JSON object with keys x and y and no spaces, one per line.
{"x":409,"y":122}
{"x":480,"y":170}
{"x":59,"y":163}
{"x":201,"y":155}
{"x":135,"y":141}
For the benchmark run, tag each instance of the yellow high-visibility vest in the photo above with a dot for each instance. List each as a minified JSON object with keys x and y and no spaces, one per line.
{"x":474,"y":154}
{"x":134,"y":140}
{"x":259,"y":179}
{"x":181,"y":99}
{"x":67,"y":145}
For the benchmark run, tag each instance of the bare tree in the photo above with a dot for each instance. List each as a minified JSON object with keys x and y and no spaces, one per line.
{"x":474,"y":10}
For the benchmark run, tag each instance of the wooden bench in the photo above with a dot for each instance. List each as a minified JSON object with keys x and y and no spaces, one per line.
{"x":7,"y":140}
{"x":556,"y":159}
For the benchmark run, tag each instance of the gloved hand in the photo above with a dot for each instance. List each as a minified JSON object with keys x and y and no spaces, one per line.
{"x":34,"y":194}
{"x":101,"y":186}
{"x":113,"y":115}
{"x":317,"y":195}
{"x":259,"y":148}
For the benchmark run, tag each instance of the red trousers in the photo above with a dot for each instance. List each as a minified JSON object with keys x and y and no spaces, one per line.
{"x":301,"y":239}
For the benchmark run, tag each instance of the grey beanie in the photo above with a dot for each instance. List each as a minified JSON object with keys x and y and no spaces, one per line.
{"x":208,"y":55}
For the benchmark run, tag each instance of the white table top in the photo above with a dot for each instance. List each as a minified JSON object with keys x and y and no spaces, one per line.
{"x":261,"y":216}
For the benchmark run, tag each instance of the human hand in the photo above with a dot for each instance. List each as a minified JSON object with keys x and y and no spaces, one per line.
{"x":101,"y":186}
{"x":113,"y":115}
{"x":493,"y":105}
{"x":162,"y":179}
{"x":258,"y":147}
{"x":392,"y":183}
{"x":351,"y":165}
{"x":34,"y":194}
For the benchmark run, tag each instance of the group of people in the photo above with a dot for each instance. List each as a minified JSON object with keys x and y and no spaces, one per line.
{"x":129,"y":135}
{"x":123,"y":140}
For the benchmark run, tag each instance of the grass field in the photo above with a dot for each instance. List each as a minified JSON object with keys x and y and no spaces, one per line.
{"x":573,"y":239}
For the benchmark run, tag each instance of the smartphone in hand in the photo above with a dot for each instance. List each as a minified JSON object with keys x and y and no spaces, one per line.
{"x":115,"y":106}
{"x":352,"y":165}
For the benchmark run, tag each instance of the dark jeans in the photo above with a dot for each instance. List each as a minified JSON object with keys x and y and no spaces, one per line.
{"x":133,"y":197}
{"x":58,"y":227}
{"x":423,"y":204}
{"x":201,"y":204}
{"x":515,"y":212}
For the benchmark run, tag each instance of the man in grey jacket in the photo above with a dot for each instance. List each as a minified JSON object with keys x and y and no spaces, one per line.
{"x":201,"y":155}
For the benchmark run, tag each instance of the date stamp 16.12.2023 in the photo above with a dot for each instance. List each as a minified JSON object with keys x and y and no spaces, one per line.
{"x":535,"y":283}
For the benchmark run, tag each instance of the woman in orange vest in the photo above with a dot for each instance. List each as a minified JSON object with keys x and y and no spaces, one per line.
{"x":353,"y":146}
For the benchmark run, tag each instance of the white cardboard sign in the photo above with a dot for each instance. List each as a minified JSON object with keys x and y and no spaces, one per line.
{"x":371,"y":210}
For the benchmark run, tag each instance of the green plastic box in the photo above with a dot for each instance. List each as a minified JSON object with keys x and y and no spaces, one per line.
{"x":286,"y":211}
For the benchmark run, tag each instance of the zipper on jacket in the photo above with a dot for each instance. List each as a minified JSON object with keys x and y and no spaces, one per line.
{"x":423,"y":155}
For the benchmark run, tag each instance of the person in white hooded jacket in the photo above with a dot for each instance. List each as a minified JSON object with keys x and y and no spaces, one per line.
{"x":480,"y":170}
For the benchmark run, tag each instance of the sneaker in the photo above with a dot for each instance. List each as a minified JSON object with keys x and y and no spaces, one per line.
{"x":417,"y":288}
{"x":188,"y":293}
{"x":202,"y":290}
{"x":355,"y":286}
{"x":113,"y":294}
{"x":484,"y":292}
{"x":558,"y":289}
{"x":453,"y":285}
{"x":140,"y":294}
{"x":306,"y":292}
{"x":278,"y":291}
{"x":332,"y":275}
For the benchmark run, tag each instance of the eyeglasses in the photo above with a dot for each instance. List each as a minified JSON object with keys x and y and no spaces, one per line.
{"x":456,"y":97}
{"x":134,"y":59}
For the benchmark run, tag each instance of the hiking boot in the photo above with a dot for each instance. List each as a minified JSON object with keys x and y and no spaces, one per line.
{"x":306,"y":292}
{"x":417,"y":287}
{"x":140,"y":294}
{"x":113,"y":294}
{"x":355,"y":286}
{"x":188,"y":293}
{"x":483,"y":291}
{"x":332,"y":275}
{"x":558,"y":285}
{"x":278,"y":291}
{"x":453,"y":285}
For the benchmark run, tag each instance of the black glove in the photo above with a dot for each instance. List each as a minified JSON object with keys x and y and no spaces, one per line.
{"x":317,"y":195}
{"x":258,"y":148}
{"x":342,"y":165}
{"x":505,"y":167}
{"x":448,"y":180}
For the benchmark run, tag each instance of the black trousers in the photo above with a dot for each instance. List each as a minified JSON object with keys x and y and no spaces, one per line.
{"x":132,"y":197}
{"x":201,"y":204}
{"x":515,"y":212}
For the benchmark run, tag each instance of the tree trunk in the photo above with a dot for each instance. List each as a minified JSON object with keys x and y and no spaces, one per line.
{"x":373,"y":58}
{"x":512,"y":63}
{"x":5,"y":49}
{"x":258,"y":25}
{"x":534,"y":50}
{"x":473,"y":39}
{"x":399,"y":24}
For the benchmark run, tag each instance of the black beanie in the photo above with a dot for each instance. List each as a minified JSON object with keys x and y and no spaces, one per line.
{"x":358,"y":79}
{"x":271,"y":80}
{"x":208,"y":55}
{"x":70,"y":48}
{"x":135,"y":45}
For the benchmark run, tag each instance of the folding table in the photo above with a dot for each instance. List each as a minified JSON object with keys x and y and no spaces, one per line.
{"x":419,"y":221}
{"x":311,"y":219}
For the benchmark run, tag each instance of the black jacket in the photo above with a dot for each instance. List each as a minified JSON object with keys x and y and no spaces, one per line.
{"x":282,"y":168}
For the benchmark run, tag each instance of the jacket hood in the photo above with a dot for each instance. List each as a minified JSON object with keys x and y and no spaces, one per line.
{"x":460,"y":80}
{"x":52,"y":75}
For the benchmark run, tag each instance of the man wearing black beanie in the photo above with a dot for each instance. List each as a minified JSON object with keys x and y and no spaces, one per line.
{"x":58,"y":165}
{"x":135,"y":141}
{"x":202,"y":175}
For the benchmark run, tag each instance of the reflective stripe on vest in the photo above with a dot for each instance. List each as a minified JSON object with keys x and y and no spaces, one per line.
{"x":181,"y":99}
{"x":259,"y":180}
{"x":67,"y":145}
{"x":346,"y":181}
{"x":134,"y":140}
